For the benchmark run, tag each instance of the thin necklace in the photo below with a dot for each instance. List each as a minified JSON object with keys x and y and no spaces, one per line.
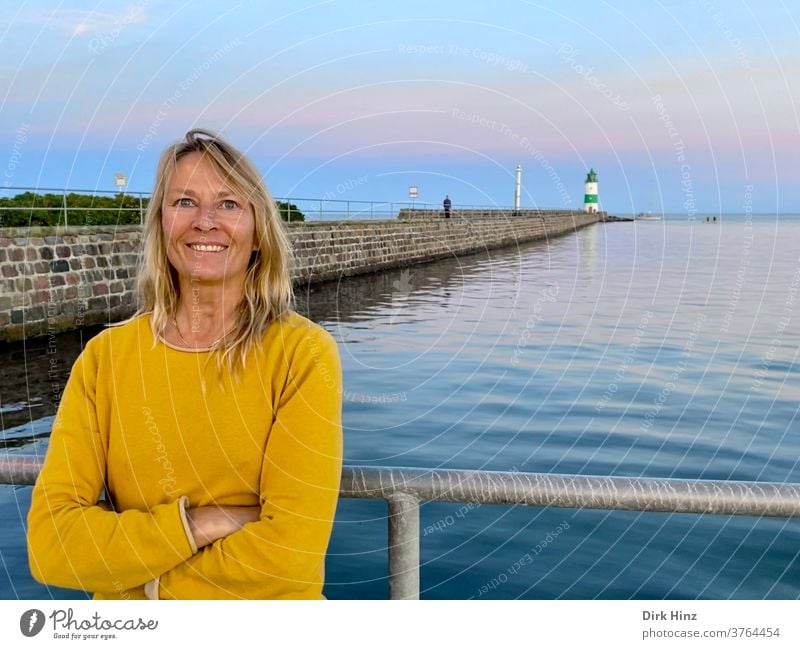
{"x":188,"y":344}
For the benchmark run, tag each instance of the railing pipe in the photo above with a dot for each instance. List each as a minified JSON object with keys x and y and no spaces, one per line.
{"x":19,"y":469}
{"x":574,"y":491}
{"x":537,"y":489}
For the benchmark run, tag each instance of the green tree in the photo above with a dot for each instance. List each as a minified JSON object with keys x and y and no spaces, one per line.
{"x":290,"y":212}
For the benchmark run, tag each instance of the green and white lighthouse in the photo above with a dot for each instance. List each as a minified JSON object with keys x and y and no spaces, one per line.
{"x":590,"y":192}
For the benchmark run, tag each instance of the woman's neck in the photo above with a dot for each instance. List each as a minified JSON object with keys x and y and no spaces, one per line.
{"x":205,"y":315}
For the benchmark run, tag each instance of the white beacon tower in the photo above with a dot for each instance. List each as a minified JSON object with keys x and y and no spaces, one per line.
{"x":590,"y":192}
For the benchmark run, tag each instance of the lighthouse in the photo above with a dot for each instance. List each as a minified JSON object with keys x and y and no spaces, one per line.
{"x":590,"y":192}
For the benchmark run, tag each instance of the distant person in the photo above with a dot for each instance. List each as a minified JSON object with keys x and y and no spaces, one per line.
{"x":447,"y":204}
{"x":210,"y":421}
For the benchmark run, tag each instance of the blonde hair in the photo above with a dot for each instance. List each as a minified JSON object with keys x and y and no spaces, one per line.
{"x":268,"y":286}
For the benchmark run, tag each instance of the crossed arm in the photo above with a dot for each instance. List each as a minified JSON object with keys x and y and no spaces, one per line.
{"x":276,"y":550}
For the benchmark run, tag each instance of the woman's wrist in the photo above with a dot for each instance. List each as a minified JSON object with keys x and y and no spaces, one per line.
{"x":209,"y":524}
{"x":197,"y":527}
{"x":183,"y":506}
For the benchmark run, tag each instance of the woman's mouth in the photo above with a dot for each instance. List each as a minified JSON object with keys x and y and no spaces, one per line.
{"x":206,"y":247}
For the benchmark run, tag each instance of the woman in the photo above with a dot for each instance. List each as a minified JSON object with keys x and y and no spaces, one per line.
{"x":212,"y":418}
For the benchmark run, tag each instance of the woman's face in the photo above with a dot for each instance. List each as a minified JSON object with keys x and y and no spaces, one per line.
{"x":209,"y":229}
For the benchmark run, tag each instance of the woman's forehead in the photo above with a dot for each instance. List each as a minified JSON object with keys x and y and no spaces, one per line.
{"x":196,"y":170}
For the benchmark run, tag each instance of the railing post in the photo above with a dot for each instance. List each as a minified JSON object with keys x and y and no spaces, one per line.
{"x":403,"y":546}
{"x":64,"y":203}
{"x":141,"y":210}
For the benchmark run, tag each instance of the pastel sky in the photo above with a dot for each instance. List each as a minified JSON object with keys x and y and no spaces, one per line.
{"x":679,"y":106}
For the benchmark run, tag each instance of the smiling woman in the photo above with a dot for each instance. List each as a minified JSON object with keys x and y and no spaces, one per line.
{"x":211,"y":419}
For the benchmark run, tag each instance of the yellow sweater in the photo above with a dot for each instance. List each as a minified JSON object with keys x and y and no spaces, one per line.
{"x":160,"y":426}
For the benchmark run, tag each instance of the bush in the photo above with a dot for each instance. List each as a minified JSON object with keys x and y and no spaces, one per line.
{"x":290,"y":212}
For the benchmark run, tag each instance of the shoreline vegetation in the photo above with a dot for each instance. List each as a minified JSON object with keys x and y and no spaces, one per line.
{"x":33,"y":209}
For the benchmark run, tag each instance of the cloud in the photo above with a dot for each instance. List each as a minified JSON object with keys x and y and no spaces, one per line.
{"x":78,"y":23}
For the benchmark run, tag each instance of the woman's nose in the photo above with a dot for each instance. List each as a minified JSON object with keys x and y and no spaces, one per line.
{"x":206,"y":220}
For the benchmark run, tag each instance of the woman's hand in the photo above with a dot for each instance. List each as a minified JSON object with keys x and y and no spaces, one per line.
{"x":207,"y":524}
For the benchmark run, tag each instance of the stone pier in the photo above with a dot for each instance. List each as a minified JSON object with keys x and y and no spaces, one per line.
{"x":55,"y":279}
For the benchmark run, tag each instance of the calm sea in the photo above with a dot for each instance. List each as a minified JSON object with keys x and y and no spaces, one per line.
{"x":664,"y":348}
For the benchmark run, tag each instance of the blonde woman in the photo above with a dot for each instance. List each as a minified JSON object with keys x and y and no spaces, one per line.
{"x":211,"y":420}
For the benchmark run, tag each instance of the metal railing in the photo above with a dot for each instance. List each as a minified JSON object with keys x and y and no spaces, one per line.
{"x":405,"y":488}
{"x":334,"y":209}
{"x":314,"y":209}
{"x":330,"y":209}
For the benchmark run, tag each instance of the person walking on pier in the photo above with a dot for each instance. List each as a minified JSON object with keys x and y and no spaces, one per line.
{"x":211,"y":419}
{"x":447,"y":203}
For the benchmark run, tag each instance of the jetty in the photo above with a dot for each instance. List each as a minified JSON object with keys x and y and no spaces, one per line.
{"x":58,"y":278}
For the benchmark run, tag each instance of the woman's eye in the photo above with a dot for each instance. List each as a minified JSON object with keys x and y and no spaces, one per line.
{"x":184,"y":202}
{"x":230,"y":205}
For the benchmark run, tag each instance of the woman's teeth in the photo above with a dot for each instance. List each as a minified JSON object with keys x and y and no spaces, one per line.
{"x":206,"y":248}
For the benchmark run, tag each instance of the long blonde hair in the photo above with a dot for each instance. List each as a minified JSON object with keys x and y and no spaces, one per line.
{"x":268,"y":286}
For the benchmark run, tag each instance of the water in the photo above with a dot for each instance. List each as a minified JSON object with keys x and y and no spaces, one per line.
{"x":662,"y":349}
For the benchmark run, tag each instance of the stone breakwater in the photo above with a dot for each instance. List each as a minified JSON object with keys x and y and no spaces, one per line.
{"x":52,"y":280}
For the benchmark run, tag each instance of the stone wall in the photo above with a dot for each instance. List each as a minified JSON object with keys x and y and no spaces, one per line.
{"x":328,"y":250}
{"x":54,"y":279}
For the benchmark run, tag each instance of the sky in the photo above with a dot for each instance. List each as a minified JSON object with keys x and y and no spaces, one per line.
{"x":684,"y":107}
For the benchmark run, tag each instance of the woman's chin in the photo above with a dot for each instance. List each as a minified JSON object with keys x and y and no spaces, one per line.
{"x":213,"y":279}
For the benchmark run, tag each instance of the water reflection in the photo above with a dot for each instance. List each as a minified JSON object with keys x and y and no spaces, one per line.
{"x":33,"y":374}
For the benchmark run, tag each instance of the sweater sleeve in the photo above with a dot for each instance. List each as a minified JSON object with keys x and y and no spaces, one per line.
{"x":72,"y":542}
{"x":282,"y":555}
